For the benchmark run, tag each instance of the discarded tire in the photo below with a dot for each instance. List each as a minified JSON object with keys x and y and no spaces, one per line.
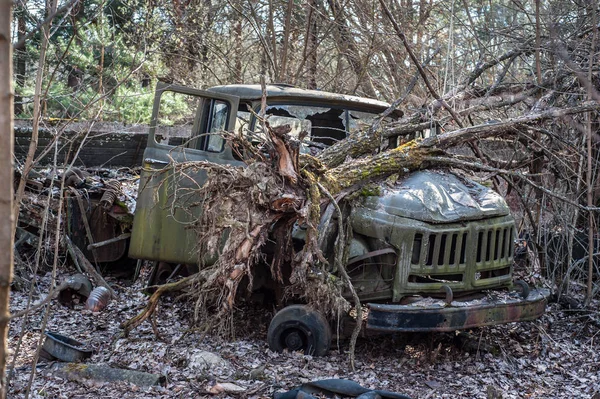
{"x":298,"y":327}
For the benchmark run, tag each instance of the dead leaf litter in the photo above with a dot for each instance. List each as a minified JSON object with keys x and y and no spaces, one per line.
{"x":556,"y":356}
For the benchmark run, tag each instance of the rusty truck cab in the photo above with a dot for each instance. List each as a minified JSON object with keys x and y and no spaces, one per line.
{"x":185,"y":126}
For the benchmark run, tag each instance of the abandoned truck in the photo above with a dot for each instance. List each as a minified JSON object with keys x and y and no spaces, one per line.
{"x":432,"y":253}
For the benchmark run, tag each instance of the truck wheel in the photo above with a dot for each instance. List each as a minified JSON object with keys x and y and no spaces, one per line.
{"x":298,"y":327}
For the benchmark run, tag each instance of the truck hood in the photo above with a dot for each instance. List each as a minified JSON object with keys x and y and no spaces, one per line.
{"x":438,"y":197}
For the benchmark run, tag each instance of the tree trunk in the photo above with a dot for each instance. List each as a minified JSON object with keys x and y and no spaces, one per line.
{"x":6,"y":181}
{"x":283,"y":76}
{"x":21,"y":59}
{"x":415,"y":154}
{"x":237,"y":35}
{"x":310,"y":50}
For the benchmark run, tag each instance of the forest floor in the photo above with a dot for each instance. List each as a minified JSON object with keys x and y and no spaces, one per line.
{"x":556,"y":356}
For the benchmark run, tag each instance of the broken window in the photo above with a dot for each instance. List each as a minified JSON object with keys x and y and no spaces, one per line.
{"x":319,"y":127}
{"x":358,"y":120}
{"x":175,"y":121}
{"x":326,"y":125}
{"x":178,"y":123}
{"x":218,"y":113}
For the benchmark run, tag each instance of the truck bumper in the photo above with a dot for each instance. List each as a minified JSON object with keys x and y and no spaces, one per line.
{"x":458,"y":315}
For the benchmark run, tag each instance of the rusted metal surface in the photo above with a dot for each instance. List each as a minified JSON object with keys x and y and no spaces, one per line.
{"x":439,"y":317}
{"x":87,"y":213}
{"x":297,"y":95}
{"x":371,"y":254}
{"x":447,"y":231}
{"x":108,"y":144}
{"x":437,"y":196}
{"x":111,"y":191}
{"x":77,"y":284}
{"x":433,"y":234}
{"x":123,"y":236}
{"x":75,"y":177}
{"x":98,"y":299}
{"x":65,"y":348}
{"x":164,"y":207}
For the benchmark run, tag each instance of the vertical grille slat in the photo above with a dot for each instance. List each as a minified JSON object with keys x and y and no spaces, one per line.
{"x":479,"y":246}
{"x":488,"y":245}
{"x":497,"y":243}
{"x":463,"y":249}
{"x":416,"y":249}
{"x":453,"y":249}
{"x":504,"y":241}
{"x":431,"y":249}
{"x":493,"y":245}
{"x":466,"y":256}
{"x":442,"y":250}
{"x":510,"y":239}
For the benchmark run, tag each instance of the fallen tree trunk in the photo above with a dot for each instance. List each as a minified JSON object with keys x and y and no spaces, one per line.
{"x":411,"y":156}
{"x":463,"y":135}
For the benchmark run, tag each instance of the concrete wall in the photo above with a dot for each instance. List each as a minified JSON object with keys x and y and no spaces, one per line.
{"x":108,"y":144}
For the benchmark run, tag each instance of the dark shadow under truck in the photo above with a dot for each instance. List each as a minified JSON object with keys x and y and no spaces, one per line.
{"x":434,"y":252}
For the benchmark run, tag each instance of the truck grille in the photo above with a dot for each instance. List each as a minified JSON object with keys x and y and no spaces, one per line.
{"x":446,"y":249}
{"x":493,"y":256}
{"x":494,"y":245}
{"x":476,"y":255}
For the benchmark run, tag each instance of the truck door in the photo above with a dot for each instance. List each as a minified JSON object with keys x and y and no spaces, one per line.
{"x":185,"y":127}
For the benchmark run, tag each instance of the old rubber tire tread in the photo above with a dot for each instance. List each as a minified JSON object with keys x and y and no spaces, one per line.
{"x":300,"y":317}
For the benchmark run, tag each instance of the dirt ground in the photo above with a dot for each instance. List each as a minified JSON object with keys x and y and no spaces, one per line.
{"x":557,"y":356}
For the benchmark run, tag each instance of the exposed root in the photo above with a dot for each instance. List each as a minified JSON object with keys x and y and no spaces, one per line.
{"x":242,"y":208}
{"x":147,"y":312}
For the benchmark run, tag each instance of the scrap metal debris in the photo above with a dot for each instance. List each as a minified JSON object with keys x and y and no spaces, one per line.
{"x":98,"y":299}
{"x":64,"y":348}
{"x":78,"y":287}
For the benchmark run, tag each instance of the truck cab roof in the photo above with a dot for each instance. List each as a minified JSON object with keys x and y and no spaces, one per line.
{"x":289,"y":94}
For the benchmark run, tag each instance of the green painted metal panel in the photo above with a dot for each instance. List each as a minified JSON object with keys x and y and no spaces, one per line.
{"x":165,"y":210}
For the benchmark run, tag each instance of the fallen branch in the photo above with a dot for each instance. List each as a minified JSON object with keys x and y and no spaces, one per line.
{"x":87,"y":266}
{"x":150,"y":307}
{"x":485,"y":130}
{"x":51,"y":295}
{"x":339,"y":264}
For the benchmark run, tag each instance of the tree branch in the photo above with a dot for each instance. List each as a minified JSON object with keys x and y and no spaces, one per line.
{"x":418,"y":65}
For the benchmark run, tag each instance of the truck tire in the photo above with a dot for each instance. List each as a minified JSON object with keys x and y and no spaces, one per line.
{"x":298,"y":327}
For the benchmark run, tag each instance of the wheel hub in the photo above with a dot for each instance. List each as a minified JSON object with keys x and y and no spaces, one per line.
{"x":293,"y":340}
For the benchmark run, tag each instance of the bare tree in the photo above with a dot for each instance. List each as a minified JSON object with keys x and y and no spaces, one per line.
{"x":349,"y":48}
{"x":6,"y":138}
